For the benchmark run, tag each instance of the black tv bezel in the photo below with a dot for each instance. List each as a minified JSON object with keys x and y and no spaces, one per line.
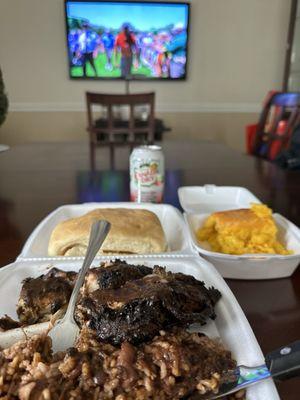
{"x":108,"y":78}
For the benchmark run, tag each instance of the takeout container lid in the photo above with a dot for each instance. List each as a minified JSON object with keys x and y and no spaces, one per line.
{"x":200,"y":201}
{"x":231,"y":324}
{"x":211,"y":198}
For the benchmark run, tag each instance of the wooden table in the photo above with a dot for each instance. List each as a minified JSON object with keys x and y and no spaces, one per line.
{"x":36,"y":178}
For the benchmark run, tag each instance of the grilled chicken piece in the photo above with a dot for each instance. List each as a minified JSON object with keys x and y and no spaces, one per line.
{"x":7,"y":323}
{"x":41,"y":297}
{"x":140,"y":308}
{"x":114,"y":275}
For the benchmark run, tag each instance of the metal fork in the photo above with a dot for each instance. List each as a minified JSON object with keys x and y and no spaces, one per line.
{"x":65,"y":331}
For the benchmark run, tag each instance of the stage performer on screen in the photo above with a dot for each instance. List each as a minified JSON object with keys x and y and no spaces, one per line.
{"x":108,"y":41}
{"x":74,"y":53}
{"x":88,"y":44}
{"x":126,"y":43}
{"x":176,"y":50}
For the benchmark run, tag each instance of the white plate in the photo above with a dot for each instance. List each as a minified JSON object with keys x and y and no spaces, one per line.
{"x":230,"y":325}
{"x":171,"y":219}
{"x":211,"y":198}
{"x":251,"y":266}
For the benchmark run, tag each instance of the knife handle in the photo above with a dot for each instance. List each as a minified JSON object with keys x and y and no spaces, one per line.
{"x":284,"y":363}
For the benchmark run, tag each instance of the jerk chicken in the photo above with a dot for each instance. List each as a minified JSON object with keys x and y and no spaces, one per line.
{"x":114,"y":275}
{"x":41,"y":297}
{"x":119,"y":301}
{"x":136,"y":309}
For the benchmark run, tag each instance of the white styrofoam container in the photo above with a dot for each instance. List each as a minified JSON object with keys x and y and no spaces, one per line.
{"x":199,"y":202}
{"x":251,"y":266}
{"x":230,"y":325}
{"x":211,"y":198}
{"x":171,"y":220}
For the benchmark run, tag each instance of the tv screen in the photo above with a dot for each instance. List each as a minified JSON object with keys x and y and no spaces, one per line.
{"x":127,"y":40}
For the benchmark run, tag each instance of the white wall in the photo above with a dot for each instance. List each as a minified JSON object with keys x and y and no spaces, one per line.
{"x":237,"y":50}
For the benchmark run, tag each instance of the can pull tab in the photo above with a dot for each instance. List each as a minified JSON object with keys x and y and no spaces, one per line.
{"x":210,"y":189}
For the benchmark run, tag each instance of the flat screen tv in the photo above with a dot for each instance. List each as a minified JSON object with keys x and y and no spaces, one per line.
{"x":127,"y":39}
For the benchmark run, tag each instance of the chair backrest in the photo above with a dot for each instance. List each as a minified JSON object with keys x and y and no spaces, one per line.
{"x":110,"y":101}
{"x":280,"y":115}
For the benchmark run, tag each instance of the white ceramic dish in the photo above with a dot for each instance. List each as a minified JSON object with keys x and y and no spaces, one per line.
{"x":211,"y":198}
{"x":251,"y":266}
{"x":171,"y":219}
{"x":230,"y":325}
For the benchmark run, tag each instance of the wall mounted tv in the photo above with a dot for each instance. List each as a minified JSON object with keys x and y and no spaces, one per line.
{"x":127,"y":39}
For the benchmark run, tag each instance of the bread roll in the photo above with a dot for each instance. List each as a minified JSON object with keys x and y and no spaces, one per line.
{"x":133,"y":231}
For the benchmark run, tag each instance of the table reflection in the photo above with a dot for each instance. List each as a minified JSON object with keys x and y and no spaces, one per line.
{"x":102,"y":186}
{"x":107,"y":186}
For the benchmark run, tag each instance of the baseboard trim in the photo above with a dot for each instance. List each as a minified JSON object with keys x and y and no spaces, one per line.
{"x":167,"y":108}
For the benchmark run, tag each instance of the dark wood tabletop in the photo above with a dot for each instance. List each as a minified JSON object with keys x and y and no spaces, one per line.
{"x":37,"y":178}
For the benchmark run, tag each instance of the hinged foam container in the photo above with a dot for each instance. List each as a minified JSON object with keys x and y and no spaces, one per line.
{"x":211,"y":198}
{"x":199,"y":202}
{"x":171,"y":220}
{"x":231,"y":325}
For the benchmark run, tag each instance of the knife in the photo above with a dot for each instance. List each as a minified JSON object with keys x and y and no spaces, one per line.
{"x":281,"y":364}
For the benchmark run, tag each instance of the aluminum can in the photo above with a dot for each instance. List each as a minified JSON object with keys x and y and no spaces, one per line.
{"x":147,"y":170}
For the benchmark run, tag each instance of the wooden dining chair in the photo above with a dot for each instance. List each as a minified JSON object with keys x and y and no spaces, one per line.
{"x":279,"y":117}
{"x":114,"y":131}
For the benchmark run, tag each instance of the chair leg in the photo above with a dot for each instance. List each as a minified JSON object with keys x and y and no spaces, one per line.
{"x":92,"y":156}
{"x":151,"y":140}
{"x":112,"y":156}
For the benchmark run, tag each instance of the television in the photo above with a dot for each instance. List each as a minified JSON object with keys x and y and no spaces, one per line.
{"x":127,"y":39}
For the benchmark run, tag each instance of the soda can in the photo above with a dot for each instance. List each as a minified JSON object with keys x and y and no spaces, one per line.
{"x":147,"y":170}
